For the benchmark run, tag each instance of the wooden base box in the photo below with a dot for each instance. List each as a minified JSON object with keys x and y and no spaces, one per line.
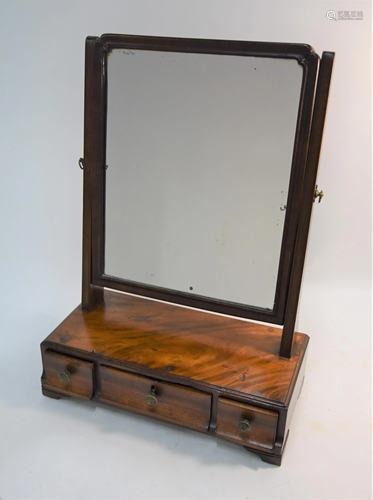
{"x":206,"y":372}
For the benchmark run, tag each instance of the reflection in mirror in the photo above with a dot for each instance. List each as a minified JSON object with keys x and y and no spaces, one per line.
{"x":199,"y":152}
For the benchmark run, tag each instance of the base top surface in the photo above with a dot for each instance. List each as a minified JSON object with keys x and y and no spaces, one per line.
{"x":217,"y":350}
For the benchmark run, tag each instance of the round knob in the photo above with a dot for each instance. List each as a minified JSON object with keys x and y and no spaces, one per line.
{"x":244,"y":426}
{"x":151,"y":398}
{"x":64,"y":376}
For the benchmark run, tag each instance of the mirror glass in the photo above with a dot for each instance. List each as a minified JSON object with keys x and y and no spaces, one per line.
{"x":199,"y":152}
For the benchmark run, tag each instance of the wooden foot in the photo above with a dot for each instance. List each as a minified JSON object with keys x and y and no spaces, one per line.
{"x":50,"y":394}
{"x":266,"y":457}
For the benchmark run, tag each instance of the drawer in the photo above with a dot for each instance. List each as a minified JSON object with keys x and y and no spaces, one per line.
{"x":67,"y":375}
{"x":169,"y":402}
{"x":246,"y":424}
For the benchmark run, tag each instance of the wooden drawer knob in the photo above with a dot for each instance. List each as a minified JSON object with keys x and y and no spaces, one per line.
{"x":151,"y":398}
{"x":244,"y":426}
{"x":64,"y":376}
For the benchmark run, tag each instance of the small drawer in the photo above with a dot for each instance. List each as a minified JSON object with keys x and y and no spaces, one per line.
{"x":170,"y":402}
{"x":67,"y":375}
{"x":246,"y":424}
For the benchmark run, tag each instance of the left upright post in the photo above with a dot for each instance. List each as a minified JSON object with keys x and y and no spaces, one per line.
{"x":92,"y":294}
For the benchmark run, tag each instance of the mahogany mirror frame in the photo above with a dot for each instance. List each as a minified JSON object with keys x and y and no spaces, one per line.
{"x":307,"y":144}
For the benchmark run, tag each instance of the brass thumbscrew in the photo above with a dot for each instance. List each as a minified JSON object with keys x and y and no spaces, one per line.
{"x":318,"y":194}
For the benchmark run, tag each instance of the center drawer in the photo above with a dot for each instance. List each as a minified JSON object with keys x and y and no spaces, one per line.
{"x":169,"y":402}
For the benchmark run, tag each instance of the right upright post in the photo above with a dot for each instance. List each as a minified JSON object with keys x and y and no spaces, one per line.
{"x":308,"y":192}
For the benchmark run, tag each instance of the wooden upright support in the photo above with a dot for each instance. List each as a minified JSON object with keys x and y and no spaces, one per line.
{"x":319,"y":112}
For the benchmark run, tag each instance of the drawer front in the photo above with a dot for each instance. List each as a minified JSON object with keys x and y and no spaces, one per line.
{"x":169,"y":402}
{"x":67,"y":375}
{"x":246,"y":424}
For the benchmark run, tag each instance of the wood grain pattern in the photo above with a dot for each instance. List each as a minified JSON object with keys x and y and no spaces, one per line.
{"x":175,"y":403}
{"x":209,"y":370}
{"x":81,"y":381}
{"x":217,"y":350}
{"x":263,"y":423}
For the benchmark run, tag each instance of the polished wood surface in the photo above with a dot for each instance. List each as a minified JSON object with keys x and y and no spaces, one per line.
{"x":173,"y":403}
{"x":81,"y":375}
{"x":263,"y":423}
{"x":220,"y":351}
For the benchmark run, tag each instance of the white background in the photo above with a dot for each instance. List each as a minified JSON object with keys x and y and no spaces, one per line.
{"x":70,"y":449}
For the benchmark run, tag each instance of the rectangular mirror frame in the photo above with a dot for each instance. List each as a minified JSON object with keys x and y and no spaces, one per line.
{"x":301,"y":188}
